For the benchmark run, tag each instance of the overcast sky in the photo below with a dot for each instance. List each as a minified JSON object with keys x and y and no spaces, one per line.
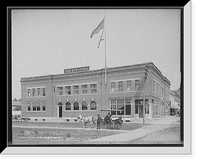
{"x":46,"y":42}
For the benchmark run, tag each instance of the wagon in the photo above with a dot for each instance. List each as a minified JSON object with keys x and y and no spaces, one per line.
{"x":116,"y":124}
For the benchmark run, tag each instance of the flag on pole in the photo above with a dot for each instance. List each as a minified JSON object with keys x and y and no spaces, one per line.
{"x":101,"y":39}
{"x":98,"y":28}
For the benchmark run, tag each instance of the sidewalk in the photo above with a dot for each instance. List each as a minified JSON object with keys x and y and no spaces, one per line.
{"x":155,"y":125}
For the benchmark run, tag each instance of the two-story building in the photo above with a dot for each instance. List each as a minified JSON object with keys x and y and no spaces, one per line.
{"x":91,"y":92}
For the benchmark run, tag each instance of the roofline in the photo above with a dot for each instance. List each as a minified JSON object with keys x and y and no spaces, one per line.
{"x":98,"y":71}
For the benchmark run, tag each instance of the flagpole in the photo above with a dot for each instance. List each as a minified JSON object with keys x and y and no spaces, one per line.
{"x":105,"y":50}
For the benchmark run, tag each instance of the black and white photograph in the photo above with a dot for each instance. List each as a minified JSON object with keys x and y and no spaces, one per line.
{"x":97,"y":77}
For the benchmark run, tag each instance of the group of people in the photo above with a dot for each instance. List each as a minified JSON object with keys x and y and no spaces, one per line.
{"x":107,"y":119}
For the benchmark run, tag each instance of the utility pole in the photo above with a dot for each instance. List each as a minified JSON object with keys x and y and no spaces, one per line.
{"x":144,"y":103}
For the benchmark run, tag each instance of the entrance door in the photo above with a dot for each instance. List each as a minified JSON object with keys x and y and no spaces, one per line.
{"x":60,"y":111}
{"x":140,"y":111}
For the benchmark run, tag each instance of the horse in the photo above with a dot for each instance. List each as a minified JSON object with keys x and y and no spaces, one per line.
{"x":85,"y":120}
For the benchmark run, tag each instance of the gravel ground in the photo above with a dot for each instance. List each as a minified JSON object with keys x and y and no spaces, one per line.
{"x":126,"y":126}
{"x":60,"y":133}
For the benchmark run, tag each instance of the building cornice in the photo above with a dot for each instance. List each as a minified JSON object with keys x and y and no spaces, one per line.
{"x":99,"y":73}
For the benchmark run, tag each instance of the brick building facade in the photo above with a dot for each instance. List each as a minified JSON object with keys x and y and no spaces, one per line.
{"x":83,"y":91}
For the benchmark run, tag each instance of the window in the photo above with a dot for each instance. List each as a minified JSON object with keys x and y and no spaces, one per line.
{"x":156,"y":110}
{"x":68,"y":90}
{"x":138,"y":104}
{"x":120,"y":86}
{"x":113,"y":107}
{"x":156,"y":87}
{"x":54,"y":89}
{"x":44,"y":107}
{"x":163,"y":92}
{"x":112,"y":86}
{"x":29,"y":93}
{"x":146,"y":108}
{"x":84,"y":89}
{"x":43,"y":91}
{"x":38,"y":91}
{"x":34,"y":108}
{"x":38,"y":108}
{"x":93,"y":105}
{"x":137,"y":85}
{"x":76,"y":89}
{"x":29,"y":108}
{"x":93,"y":88}
{"x":128,"y":107}
{"x":76,"y":106}
{"x":60,"y":90}
{"x":128,"y":86}
{"x":120,"y":107}
{"x":68,"y":106}
{"x":84,"y":105}
{"x":33,"y":92}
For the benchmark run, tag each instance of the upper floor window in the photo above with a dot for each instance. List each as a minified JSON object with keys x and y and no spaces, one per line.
{"x":29,"y":93}
{"x":38,"y":91}
{"x":112,"y":86}
{"x":156,"y":87}
{"x":120,"y":86}
{"x":60,"y":90}
{"x":128,"y":85}
{"x":93,"y":88}
{"x":68,"y":90}
{"x":76,"y":89}
{"x":33,"y":92}
{"x":43,"y":91}
{"x":137,"y":84}
{"x":84,"y":89}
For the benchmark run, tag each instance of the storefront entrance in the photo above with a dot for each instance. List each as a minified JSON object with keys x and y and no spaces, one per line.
{"x":140,"y":111}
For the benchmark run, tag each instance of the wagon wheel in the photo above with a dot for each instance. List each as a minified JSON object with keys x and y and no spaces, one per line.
{"x":103,"y":125}
{"x":118,"y":125}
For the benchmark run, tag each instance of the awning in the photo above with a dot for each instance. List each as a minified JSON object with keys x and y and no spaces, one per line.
{"x":175,"y":106}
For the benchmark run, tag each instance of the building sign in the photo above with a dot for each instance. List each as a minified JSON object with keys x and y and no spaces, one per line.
{"x":78,"y":69}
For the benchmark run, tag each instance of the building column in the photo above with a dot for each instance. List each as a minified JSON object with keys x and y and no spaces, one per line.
{"x":150,"y":110}
{"x":133,"y":107}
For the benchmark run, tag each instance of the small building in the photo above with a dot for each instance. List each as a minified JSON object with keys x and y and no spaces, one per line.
{"x":175,"y":102}
{"x":16,"y":107}
{"x":88,"y":92}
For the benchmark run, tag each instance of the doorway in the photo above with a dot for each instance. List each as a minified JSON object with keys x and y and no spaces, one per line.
{"x":140,"y":111}
{"x":60,"y":109}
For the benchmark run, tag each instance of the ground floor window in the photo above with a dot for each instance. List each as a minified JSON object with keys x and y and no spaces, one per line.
{"x":76,"y":106}
{"x":93,"y":105}
{"x":84,"y":105}
{"x":68,"y":106}
{"x":37,"y":107}
{"x":121,"y":107}
{"x":139,"y":107}
{"x":44,"y":107}
{"x":29,"y":108}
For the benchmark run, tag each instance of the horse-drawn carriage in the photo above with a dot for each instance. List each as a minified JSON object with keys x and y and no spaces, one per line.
{"x":19,"y":118}
{"x":112,"y":124}
{"x":106,"y":123}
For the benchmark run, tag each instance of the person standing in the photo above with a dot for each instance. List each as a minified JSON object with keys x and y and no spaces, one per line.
{"x":98,"y":121}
